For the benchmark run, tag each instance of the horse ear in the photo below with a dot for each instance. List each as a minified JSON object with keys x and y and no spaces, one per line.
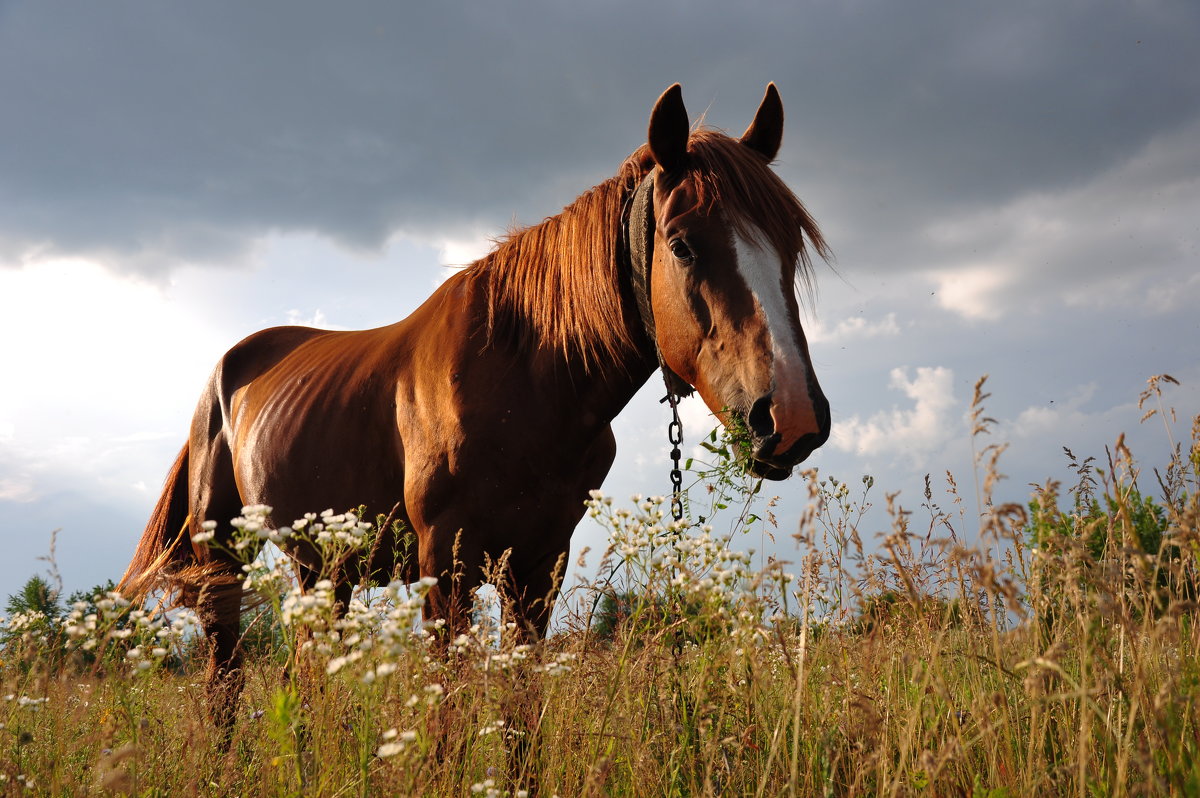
{"x":668,"y":135}
{"x":765,"y":133}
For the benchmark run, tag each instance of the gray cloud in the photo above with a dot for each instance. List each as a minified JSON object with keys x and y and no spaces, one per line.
{"x":175,"y":131}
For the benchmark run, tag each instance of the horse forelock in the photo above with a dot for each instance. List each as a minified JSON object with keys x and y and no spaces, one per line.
{"x":754,"y":199}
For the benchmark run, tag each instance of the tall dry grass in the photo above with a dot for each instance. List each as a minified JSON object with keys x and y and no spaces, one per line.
{"x":1052,"y":655}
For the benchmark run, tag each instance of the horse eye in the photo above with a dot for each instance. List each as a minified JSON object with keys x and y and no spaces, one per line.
{"x":681,"y":251}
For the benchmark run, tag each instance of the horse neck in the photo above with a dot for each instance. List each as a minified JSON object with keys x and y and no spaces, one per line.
{"x":602,"y":391}
{"x":562,"y":292}
{"x":599,"y":388}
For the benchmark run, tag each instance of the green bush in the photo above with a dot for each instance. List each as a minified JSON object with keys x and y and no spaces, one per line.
{"x":34,"y":622}
{"x":1136,"y":522}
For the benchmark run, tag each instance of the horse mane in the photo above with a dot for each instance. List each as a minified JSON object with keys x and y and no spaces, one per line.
{"x":558,"y":284}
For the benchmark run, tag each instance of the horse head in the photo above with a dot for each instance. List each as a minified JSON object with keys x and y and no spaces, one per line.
{"x":729,"y":242}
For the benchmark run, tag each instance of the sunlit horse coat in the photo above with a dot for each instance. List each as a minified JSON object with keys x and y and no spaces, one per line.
{"x":483,"y":417}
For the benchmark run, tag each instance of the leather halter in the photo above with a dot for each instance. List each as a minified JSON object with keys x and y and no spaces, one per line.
{"x":639,"y":238}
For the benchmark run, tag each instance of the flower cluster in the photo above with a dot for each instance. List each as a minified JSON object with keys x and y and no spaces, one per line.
{"x":254,"y":525}
{"x":334,"y":532}
{"x":698,"y":563}
{"x":149,"y":637}
{"x":87,"y":629}
{"x":559,"y":666}
{"x":400,"y":624}
{"x":706,"y":566}
{"x":311,"y":609}
{"x":681,"y":568}
{"x":25,"y":702}
{"x":395,"y":741}
{"x":28,"y":623}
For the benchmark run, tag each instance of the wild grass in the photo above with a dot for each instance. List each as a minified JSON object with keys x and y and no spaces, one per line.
{"x":1054,"y":654}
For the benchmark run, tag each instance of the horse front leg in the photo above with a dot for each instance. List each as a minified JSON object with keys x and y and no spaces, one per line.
{"x":457,"y":565}
{"x":529,"y":595}
{"x":531,"y":591}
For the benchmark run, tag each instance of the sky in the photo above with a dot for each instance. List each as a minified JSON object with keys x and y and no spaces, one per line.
{"x":1010,"y":189}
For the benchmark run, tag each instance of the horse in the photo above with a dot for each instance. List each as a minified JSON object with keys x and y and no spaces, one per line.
{"x":483,"y":419}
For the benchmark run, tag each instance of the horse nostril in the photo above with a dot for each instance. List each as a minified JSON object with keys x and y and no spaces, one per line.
{"x":759,"y":417}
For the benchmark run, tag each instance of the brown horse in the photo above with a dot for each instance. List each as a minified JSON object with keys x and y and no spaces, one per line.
{"x":483,"y":418}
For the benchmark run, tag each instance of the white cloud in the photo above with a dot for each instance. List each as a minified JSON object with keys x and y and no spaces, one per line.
{"x":102,"y":359}
{"x":317,"y":319}
{"x":698,"y":421}
{"x":17,"y":489}
{"x":454,"y":253}
{"x":7,"y":427}
{"x":912,"y":432}
{"x":972,"y":290}
{"x":1035,"y":422}
{"x":854,"y":327}
{"x":696,"y":417}
{"x":458,"y":252}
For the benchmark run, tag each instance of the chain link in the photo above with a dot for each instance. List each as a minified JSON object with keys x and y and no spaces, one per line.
{"x":675,"y":437}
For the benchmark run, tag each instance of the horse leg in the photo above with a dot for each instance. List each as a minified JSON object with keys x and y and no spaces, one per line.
{"x":528,"y":603}
{"x":458,"y":569}
{"x":529,"y":599}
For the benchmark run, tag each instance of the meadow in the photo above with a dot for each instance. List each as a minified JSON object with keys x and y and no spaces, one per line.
{"x":972,"y":648}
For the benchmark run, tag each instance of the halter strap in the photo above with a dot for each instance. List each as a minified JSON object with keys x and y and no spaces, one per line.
{"x":639,"y":236}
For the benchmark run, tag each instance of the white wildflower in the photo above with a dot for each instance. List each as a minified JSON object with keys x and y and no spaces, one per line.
{"x":389,"y":749}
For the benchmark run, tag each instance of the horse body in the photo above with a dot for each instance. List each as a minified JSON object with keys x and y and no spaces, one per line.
{"x":404,"y":397}
{"x":482,"y":420}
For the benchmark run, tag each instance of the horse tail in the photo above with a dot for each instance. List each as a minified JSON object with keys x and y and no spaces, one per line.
{"x":165,"y":547}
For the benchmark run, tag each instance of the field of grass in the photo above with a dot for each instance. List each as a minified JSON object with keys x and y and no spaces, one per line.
{"x":1056,"y":656}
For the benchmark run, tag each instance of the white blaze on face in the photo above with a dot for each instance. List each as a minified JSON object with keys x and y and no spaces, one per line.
{"x":791,"y":406}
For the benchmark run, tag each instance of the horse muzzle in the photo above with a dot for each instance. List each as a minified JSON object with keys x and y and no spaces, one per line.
{"x":765,"y":461}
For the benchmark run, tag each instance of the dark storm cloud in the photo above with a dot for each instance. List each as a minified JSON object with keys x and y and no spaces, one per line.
{"x":152,"y":132}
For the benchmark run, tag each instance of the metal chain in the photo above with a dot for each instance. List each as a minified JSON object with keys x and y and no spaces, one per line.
{"x":675,"y":437}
